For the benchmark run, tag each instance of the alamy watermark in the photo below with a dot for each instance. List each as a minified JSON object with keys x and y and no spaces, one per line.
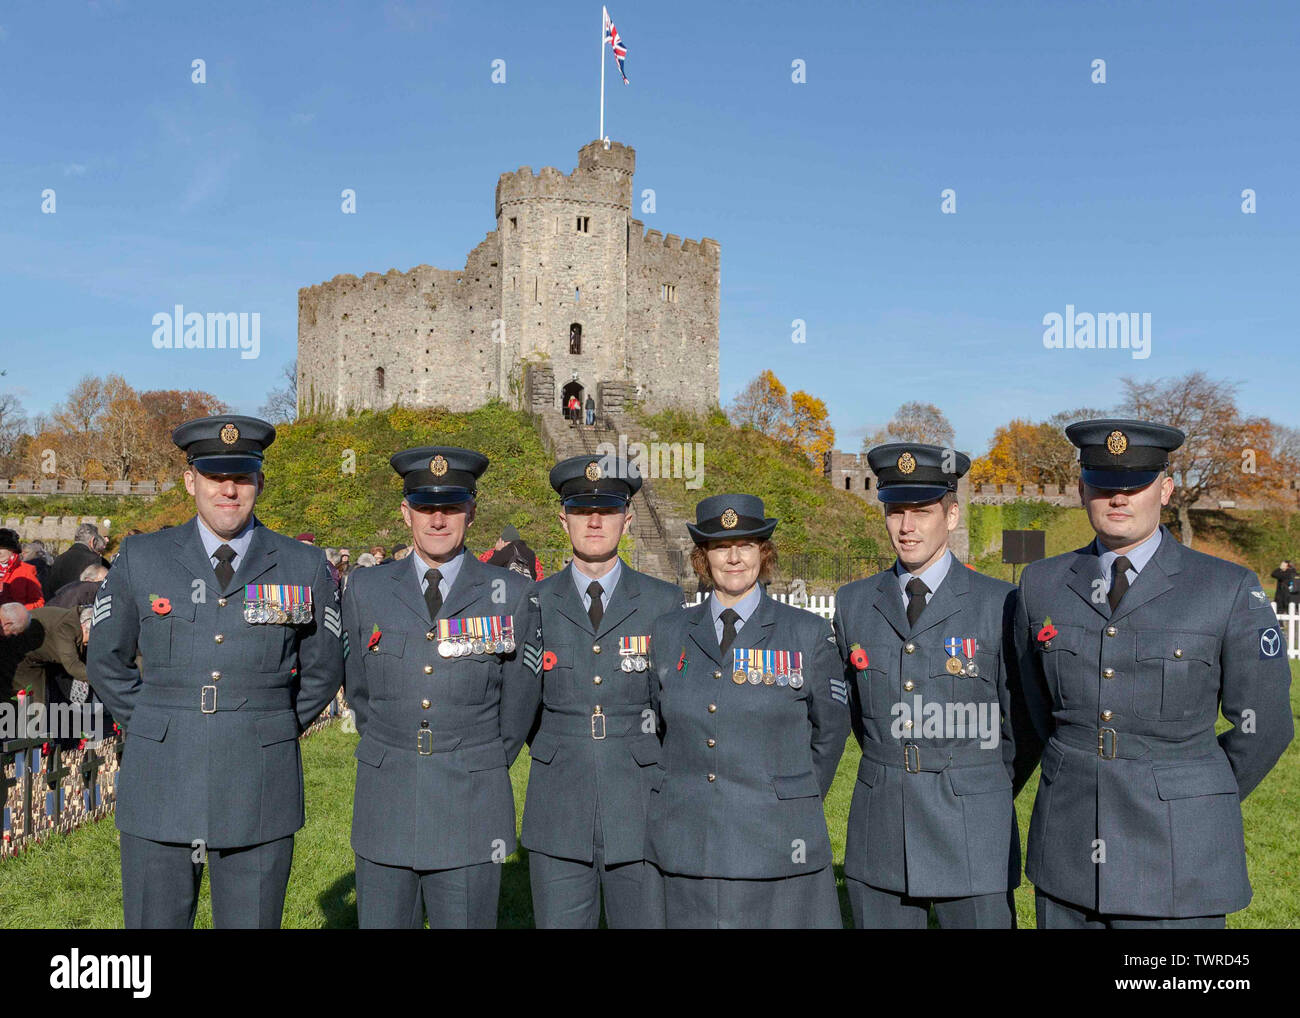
{"x":192,"y":330}
{"x":1125,"y":330}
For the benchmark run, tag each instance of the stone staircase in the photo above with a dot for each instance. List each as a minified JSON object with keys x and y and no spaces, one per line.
{"x":661,"y":545}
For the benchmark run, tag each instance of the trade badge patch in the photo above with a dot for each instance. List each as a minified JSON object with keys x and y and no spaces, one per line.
{"x":1270,"y":643}
{"x":1258,"y":599}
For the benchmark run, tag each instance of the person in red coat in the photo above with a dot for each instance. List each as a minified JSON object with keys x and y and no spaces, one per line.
{"x":18,"y":582}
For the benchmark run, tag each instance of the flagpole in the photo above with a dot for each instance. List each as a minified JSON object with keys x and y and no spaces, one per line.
{"x":603,"y":15}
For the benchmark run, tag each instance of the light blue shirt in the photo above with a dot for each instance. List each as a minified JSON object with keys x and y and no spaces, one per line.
{"x":449,"y":570}
{"x":607,"y":583}
{"x":931,"y":577}
{"x":1137,"y":558}
{"x":239,"y":543}
{"x":745,"y":608}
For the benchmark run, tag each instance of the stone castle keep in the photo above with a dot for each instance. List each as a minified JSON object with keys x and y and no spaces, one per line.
{"x":568,"y":295}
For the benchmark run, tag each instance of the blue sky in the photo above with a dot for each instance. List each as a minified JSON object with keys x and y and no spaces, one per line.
{"x":825,"y":196}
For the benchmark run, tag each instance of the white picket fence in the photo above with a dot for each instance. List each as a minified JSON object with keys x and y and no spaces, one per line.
{"x":819,"y":604}
{"x":824,"y":605}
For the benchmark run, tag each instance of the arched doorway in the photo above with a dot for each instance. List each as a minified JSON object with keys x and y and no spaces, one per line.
{"x":572,"y":390}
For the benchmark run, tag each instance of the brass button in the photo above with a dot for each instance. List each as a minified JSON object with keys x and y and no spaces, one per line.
{"x":595,"y":648}
{"x":428,"y":669}
{"x":221,"y":602}
{"x":424,"y":704}
{"x":712,"y":743}
{"x":597,"y":680}
{"x":430,"y":635}
{"x":1108,"y":673}
{"x":713,"y":777}
{"x":910,"y":648}
{"x":1178,"y":652}
{"x":717,"y":674}
{"x":1106,"y":715}
{"x":909,"y":685}
{"x":907,"y":724}
{"x":424,"y":724}
{"x":219,"y":638}
{"x":713,"y":708}
{"x":215,"y":676}
{"x":1111,"y":630}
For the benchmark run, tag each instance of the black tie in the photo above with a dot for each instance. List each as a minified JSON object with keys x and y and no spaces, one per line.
{"x":225,"y":571}
{"x":1119,"y":582}
{"x":432,"y":595}
{"x":596,"y":610}
{"x":729,"y":620}
{"x":916,"y":591}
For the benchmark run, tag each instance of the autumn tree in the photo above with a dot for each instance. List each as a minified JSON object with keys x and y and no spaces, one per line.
{"x":1225,"y":457}
{"x":281,"y":406}
{"x":914,"y":422}
{"x":13,"y":426}
{"x":1024,"y":452}
{"x":799,"y":419}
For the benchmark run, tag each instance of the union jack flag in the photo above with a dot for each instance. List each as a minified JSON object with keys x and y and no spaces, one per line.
{"x":616,"y":44}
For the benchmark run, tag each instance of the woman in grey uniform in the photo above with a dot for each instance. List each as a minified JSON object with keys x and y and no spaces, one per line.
{"x":752,"y":703}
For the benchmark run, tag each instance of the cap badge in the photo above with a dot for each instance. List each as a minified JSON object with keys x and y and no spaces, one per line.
{"x":229,"y":434}
{"x":438,"y":466}
{"x":730,"y":519}
{"x":1116,"y":442}
{"x":593,"y":471}
{"x":906,"y":463}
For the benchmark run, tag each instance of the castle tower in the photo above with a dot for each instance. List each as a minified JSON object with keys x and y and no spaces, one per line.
{"x":568,"y":295}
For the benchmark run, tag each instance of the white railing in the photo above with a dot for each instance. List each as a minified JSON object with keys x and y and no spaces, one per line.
{"x":824,"y":605}
{"x":819,"y":604}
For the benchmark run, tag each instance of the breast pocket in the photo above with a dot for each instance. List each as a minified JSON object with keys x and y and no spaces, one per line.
{"x":1063,"y":665}
{"x":1176,"y":677}
{"x":168,"y":640}
{"x":468,"y":677}
{"x":274,"y":646}
{"x":383,"y":665}
{"x":875,"y":692}
{"x":557,"y":681}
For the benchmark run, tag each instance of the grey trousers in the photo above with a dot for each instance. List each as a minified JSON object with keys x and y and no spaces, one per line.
{"x":398,"y":897}
{"x":160,"y":884}
{"x":1055,"y":914}
{"x":877,"y":909}
{"x":567,"y":892}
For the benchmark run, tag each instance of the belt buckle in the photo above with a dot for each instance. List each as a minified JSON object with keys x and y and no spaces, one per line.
{"x":598,"y":724}
{"x":912,"y":758}
{"x":204,"y":699}
{"x":1101,"y":743}
{"x":421,"y":742}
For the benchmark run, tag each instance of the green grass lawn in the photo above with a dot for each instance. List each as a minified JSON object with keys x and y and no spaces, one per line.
{"x":72,"y":882}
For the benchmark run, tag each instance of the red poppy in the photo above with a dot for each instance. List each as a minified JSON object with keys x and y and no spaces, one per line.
{"x":858,"y":658}
{"x":549,"y":660}
{"x":45,"y":749}
{"x":681,"y":661}
{"x":161,"y":606}
{"x":1048,"y":631}
{"x":81,"y":744}
{"x":374,"y":639}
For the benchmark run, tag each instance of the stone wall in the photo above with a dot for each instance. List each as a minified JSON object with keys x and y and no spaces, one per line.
{"x":58,"y":532}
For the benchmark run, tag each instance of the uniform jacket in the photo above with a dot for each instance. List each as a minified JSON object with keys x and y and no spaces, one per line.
{"x":49,"y":668}
{"x":234,"y":776}
{"x":1130,"y":702}
{"x":573,"y":776}
{"x":773,"y":754}
{"x":441,"y":799}
{"x":937,"y":820}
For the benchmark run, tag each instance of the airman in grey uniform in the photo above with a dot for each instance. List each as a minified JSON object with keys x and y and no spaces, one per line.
{"x":1131,"y":646}
{"x":928,"y":650}
{"x":443,"y":662}
{"x":236,"y":629}
{"x":597,"y":744}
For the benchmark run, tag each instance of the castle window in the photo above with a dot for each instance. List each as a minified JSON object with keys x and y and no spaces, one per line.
{"x":575,"y":338}
{"x":379,"y":378}
{"x":514,"y":223}
{"x":584,"y":224}
{"x":577,"y":294}
{"x":668,"y":291}
{"x":848,"y":483}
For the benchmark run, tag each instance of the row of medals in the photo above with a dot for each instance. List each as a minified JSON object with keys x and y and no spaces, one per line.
{"x":955,"y":667}
{"x":756,"y":677}
{"x":466,"y":645}
{"x":634,"y":663}
{"x":258,"y":612}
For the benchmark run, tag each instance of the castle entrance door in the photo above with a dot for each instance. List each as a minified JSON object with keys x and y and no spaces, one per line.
{"x":572,"y":391}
